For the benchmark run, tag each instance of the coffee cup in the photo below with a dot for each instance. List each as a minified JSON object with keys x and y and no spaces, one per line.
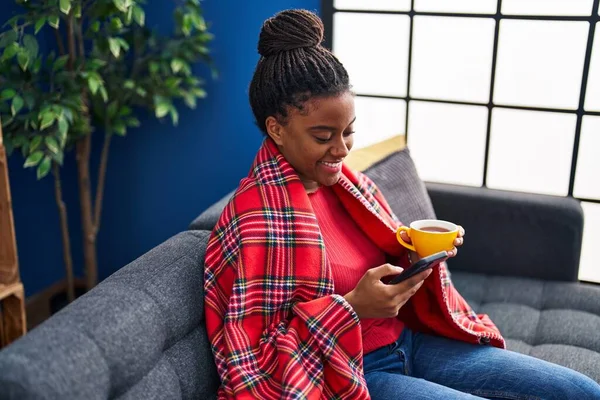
{"x":429,"y":236}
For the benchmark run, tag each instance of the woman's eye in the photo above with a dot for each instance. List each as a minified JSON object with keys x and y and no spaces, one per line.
{"x":349,"y":133}
{"x":322,"y":140}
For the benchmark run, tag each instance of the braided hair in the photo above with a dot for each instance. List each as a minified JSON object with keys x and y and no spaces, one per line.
{"x":293,"y":67}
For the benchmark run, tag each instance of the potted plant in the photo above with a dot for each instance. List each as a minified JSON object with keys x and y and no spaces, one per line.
{"x":105,"y":68}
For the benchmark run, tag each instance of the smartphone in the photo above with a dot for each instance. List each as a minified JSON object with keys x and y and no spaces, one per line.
{"x":421,"y":265}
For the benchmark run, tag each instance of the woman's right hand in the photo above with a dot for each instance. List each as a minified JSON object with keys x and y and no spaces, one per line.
{"x":371,"y":298}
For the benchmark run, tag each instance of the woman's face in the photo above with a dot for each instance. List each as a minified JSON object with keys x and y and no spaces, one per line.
{"x":316,"y":140}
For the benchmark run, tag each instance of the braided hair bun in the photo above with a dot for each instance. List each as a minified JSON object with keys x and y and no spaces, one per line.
{"x":294,"y":66}
{"x":289,"y":30}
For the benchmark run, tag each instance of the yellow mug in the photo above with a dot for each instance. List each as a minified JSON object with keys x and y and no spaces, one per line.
{"x":429,"y":236}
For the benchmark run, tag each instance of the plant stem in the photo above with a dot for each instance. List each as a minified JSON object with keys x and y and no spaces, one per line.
{"x":80,"y":39}
{"x":64,"y":228}
{"x":100,"y":183}
{"x":71,"y":41}
{"x":59,"y":42}
{"x":83,"y":149}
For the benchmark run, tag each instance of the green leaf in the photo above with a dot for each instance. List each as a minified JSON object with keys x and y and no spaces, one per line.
{"x":57,"y":110}
{"x":40,"y":24}
{"x":198,"y":22}
{"x":37,"y":65}
{"x":201,"y":93}
{"x":10,"y":51}
{"x":65,"y":6}
{"x":94,"y":83}
{"x":177,"y":64}
{"x":141,"y":92}
{"x":8,"y":37}
{"x":54,"y":21}
{"x":44,"y":167}
{"x":129,"y":84}
{"x":33,"y":159}
{"x":52,"y":144}
{"x":139,"y":16}
{"x":58,"y":157}
{"x":23,"y":59}
{"x":172,"y":82}
{"x":190,"y":100}
{"x":17,"y":104}
{"x":35,"y":143}
{"x":60,"y":63}
{"x":186,"y":27}
{"x":116,"y":23}
{"x":123,"y":43}
{"x":25,"y":149}
{"x":133,"y":122}
{"x":162,"y":109}
{"x":154,"y":67}
{"x":121,"y":5}
{"x":129,"y":16}
{"x":47,"y":120}
{"x":29,"y":100}
{"x":7,"y":94}
{"x":68,"y":114}
{"x":77,"y":10}
{"x":9,"y":147}
{"x":115,"y":48}
{"x":63,"y":129}
{"x":111,"y":110}
{"x":119,"y":128}
{"x":104,"y":93}
{"x":174,"y":115}
{"x":95,"y":27}
{"x":95,"y":64}
{"x":19,"y":140}
{"x":31,"y":44}
{"x":125,"y":111}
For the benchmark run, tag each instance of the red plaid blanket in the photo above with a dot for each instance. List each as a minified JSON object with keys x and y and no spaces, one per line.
{"x":276,"y":328}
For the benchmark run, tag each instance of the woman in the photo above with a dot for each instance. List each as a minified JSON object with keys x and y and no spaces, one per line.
{"x":295,"y":303}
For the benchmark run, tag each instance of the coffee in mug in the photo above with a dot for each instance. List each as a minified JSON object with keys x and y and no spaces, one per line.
{"x":429,"y":236}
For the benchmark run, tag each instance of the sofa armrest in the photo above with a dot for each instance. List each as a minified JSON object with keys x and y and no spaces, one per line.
{"x":511,"y":233}
{"x":138,"y":334}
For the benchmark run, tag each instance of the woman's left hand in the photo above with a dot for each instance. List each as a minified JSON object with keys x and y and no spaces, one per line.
{"x":452,"y":253}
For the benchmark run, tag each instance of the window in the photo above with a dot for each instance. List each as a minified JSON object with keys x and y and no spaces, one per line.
{"x":488,"y":81}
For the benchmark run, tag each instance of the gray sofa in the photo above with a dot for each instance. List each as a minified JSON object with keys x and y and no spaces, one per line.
{"x":140,"y":334}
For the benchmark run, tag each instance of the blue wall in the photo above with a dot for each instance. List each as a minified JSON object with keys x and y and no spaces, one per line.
{"x":159,"y":177}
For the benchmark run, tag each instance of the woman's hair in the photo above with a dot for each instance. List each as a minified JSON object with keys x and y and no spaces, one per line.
{"x":293,"y":66}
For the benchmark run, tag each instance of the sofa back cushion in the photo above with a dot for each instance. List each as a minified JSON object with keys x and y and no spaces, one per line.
{"x":397,"y":178}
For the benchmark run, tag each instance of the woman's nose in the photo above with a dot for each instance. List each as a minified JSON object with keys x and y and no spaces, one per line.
{"x":340,"y":150}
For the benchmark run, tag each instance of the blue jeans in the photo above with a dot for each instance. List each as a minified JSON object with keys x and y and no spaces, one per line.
{"x":419,"y":366}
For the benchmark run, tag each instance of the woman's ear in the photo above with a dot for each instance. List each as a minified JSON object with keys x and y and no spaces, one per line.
{"x":275,"y":130}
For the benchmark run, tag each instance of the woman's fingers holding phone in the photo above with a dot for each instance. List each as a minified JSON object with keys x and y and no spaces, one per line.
{"x":412,"y":284}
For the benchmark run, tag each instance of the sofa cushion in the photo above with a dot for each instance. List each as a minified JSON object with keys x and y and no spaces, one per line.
{"x":555,"y":321}
{"x":362,"y":158}
{"x":138,"y":335}
{"x":397,"y":178}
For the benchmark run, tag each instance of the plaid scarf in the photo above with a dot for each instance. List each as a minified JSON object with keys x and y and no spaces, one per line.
{"x":276,"y":327}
